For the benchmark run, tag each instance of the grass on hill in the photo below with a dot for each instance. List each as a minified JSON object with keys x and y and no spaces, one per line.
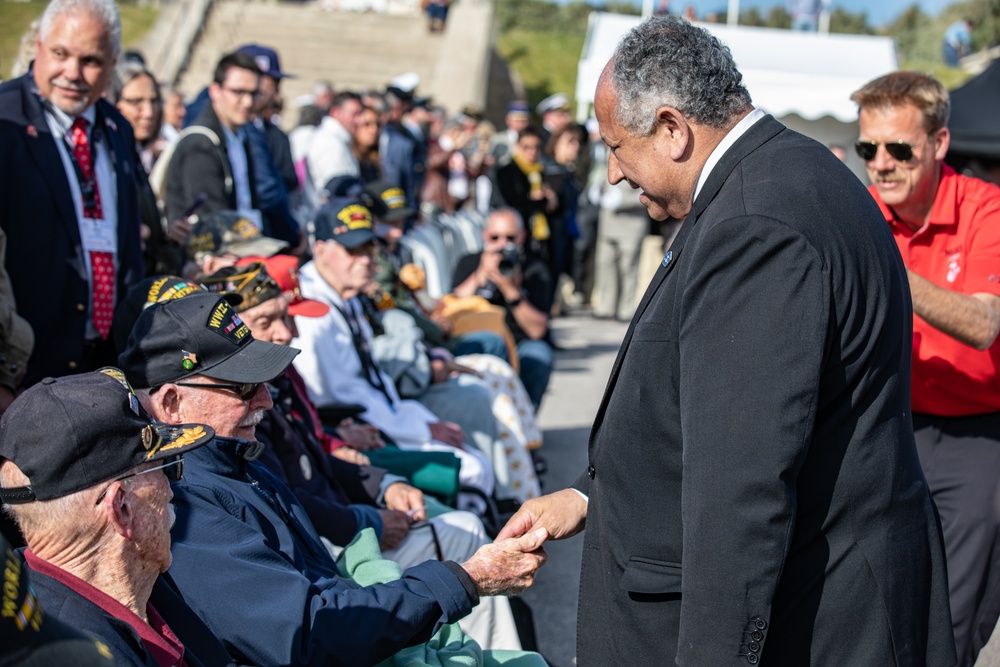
{"x":15,"y":17}
{"x":545,"y":61}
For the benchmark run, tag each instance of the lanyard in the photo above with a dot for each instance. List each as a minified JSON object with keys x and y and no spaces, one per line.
{"x":364,"y":354}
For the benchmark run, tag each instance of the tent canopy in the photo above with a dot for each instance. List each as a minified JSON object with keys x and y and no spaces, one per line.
{"x":808,"y":74}
{"x":975,"y":129}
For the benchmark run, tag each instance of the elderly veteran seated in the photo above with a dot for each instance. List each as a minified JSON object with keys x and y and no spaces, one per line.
{"x":242,"y":540}
{"x":85,"y":474}
{"x":340,"y":498}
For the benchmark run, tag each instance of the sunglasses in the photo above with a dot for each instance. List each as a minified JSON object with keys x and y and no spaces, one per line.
{"x":900,"y":150}
{"x":173,"y":469}
{"x":509,"y":237}
{"x":245,"y":391}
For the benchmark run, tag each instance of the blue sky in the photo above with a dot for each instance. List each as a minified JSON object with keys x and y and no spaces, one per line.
{"x":879,"y":11}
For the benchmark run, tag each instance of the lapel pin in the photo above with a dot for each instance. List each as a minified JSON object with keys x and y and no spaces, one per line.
{"x":32,"y":132}
{"x":110,"y":123}
{"x":666,"y":258}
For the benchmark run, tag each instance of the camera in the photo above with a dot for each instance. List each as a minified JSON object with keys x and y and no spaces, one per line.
{"x":510,"y":257}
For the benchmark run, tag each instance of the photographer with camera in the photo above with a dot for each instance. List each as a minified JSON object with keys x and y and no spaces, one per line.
{"x":505,"y":276}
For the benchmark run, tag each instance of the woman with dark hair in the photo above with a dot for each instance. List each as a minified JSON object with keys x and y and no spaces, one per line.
{"x":136,"y":93}
{"x":562,"y":153}
{"x":365,"y":145}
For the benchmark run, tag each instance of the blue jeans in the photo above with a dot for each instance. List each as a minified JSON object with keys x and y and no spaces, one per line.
{"x":535,"y":356}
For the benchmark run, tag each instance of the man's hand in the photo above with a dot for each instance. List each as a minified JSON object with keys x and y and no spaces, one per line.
{"x":562,"y":514}
{"x":395,"y":526}
{"x":448,"y":433}
{"x":402,"y":497}
{"x":351,"y":455}
{"x":178,"y":231}
{"x":507,"y":567}
{"x":363,"y":437}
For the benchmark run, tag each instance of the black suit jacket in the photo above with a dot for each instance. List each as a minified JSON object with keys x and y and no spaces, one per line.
{"x":44,"y":252}
{"x":200,"y":165}
{"x":755,"y":494}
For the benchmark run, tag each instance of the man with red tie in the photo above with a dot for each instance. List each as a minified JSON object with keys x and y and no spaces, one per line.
{"x":68,"y":187}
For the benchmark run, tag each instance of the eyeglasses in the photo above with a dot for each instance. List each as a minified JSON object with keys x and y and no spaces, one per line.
{"x":245,"y":391}
{"x":240,"y":92}
{"x":370,"y":249}
{"x":899,"y":150}
{"x":510,"y":238}
{"x":173,"y":469}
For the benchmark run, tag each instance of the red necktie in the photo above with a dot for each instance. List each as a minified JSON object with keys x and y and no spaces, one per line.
{"x":102,"y":263}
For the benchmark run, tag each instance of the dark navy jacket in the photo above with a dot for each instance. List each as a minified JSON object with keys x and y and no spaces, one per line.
{"x":249,"y":561}
{"x":200,"y":646}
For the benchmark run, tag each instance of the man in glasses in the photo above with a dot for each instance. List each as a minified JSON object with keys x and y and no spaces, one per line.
{"x":213,"y":156}
{"x":245,"y":553}
{"x":947,"y":228}
{"x":508,"y":277}
{"x":86,"y":474}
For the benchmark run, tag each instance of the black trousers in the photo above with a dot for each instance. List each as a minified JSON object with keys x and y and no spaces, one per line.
{"x":960,"y":457}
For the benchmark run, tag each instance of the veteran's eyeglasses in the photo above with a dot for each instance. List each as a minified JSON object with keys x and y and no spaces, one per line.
{"x":899,"y":150}
{"x":245,"y":391}
{"x":173,"y":469}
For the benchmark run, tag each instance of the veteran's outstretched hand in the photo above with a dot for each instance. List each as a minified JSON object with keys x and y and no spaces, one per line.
{"x":507,"y":567}
{"x":562,"y":514}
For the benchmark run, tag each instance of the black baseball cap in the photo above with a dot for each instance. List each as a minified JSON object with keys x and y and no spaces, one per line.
{"x":32,"y":638}
{"x":389,"y":202}
{"x":200,"y":334}
{"x":70,"y":433}
{"x":346,"y":221}
{"x":251,"y":282}
{"x":228,"y":232}
{"x":144,"y":294}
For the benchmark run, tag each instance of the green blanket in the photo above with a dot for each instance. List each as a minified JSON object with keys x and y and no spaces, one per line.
{"x":362,"y":562}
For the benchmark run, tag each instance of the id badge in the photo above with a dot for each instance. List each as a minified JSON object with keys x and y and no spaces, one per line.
{"x":98,"y":235}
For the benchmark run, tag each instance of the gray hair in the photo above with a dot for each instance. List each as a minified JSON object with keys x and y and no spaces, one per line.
{"x":666,"y":61}
{"x":127,"y":72}
{"x":56,"y":517}
{"x":104,"y":11}
{"x":507,"y":210}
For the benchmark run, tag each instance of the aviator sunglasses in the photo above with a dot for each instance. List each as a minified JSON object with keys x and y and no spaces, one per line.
{"x":245,"y":391}
{"x":899,"y":150}
{"x":173,"y":469}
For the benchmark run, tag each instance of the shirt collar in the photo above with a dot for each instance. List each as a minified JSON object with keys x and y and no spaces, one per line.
{"x":64,"y":121}
{"x":727,"y":142}
{"x":158,"y":639}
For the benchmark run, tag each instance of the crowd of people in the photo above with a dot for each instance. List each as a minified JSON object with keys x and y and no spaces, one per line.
{"x":350,"y":463}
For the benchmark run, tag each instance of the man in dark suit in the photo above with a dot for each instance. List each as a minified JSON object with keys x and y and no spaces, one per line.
{"x":753,"y":493}
{"x":68,"y":187}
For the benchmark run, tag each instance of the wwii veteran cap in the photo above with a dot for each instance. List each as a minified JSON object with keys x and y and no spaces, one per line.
{"x":70,"y":433}
{"x":250,"y":281}
{"x":145,"y":293}
{"x":200,"y":334}
{"x":345,"y":221}
{"x":388,"y":202}
{"x":229,"y":233}
{"x":31,"y":638}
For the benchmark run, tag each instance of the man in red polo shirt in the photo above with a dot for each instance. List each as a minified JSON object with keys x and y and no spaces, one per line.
{"x":947,"y":227}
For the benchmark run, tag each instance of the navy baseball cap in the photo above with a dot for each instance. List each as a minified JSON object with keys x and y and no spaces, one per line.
{"x":346,"y":221}
{"x":266,"y":59}
{"x":70,"y":433}
{"x":200,"y":334}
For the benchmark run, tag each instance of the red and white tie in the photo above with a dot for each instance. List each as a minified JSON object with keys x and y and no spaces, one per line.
{"x":102,"y":263}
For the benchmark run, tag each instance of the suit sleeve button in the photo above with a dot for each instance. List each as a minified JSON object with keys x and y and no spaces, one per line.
{"x":752,"y":658}
{"x":591,"y":472}
{"x":754,"y":647}
{"x":80,"y":308}
{"x":760,"y":623}
{"x":756,"y":635}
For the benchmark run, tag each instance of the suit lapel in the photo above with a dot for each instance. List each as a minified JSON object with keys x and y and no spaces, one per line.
{"x":46,"y":156}
{"x":760,"y":132}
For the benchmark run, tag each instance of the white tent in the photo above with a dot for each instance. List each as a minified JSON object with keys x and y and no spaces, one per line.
{"x":804,"y":79}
